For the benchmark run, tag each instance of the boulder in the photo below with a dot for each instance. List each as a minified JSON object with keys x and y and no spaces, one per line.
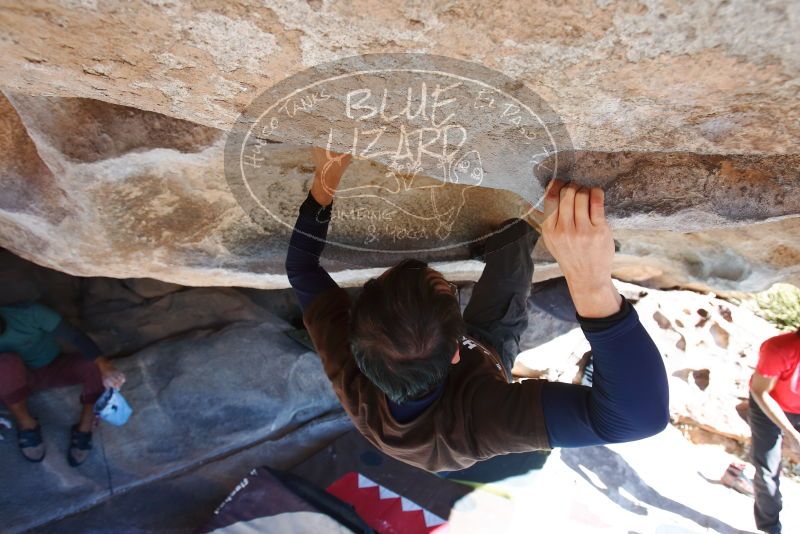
{"x":138,"y":194}
{"x":148,"y":288}
{"x":653,"y":76}
{"x":115,"y":113}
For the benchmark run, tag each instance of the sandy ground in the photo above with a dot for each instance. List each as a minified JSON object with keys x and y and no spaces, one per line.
{"x":663,"y":485}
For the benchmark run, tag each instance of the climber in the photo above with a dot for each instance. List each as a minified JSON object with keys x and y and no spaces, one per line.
{"x":31,"y":359}
{"x":774,"y":416}
{"x":432,"y":387}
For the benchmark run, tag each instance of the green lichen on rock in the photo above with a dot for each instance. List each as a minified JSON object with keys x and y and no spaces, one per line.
{"x":779,"y":305}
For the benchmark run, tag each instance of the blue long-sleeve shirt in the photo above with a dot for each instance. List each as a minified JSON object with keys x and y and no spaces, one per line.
{"x":628,"y":399}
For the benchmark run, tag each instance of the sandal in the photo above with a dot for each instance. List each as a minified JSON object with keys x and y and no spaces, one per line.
{"x":79,"y":446}
{"x":30,"y":444}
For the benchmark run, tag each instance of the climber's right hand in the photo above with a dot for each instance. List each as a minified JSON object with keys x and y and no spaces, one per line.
{"x":111,"y":376}
{"x":578,"y":236}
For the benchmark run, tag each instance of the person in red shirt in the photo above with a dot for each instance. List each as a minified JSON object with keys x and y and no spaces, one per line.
{"x":774,"y":416}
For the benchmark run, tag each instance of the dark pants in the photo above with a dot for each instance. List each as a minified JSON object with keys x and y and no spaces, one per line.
{"x":17,"y":381}
{"x":496,"y":314}
{"x":765,"y":448}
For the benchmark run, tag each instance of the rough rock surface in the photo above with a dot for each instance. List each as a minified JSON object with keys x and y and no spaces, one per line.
{"x":114,"y":116}
{"x":138,"y":194}
{"x":654,"y":75}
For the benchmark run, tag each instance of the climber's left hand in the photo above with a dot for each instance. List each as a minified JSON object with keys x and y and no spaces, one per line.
{"x":330,"y":167}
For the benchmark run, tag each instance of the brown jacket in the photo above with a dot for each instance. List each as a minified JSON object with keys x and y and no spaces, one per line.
{"x":478,"y":416}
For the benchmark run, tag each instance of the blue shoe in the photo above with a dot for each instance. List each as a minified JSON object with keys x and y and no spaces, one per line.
{"x":79,"y":446}
{"x":30,"y":444}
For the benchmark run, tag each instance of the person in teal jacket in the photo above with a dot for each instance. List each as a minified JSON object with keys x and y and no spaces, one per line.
{"x":32,"y":357}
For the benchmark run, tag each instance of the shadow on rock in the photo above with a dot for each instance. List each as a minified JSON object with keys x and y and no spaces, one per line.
{"x":614,"y":473}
